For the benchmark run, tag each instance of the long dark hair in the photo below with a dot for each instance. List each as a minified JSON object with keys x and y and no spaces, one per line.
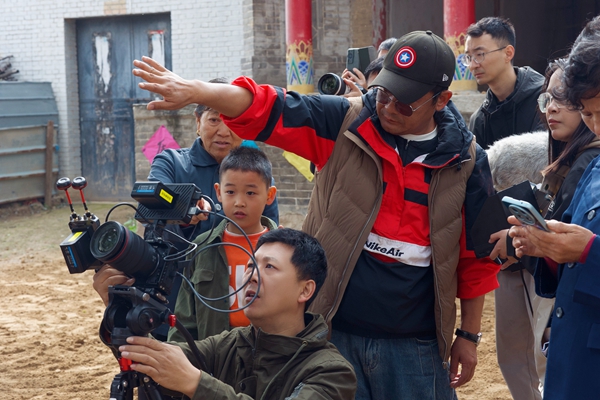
{"x":563,"y":153}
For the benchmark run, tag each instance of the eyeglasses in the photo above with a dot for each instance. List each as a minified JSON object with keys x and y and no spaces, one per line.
{"x":385,"y":98}
{"x":477,"y":58}
{"x":544,"y":100}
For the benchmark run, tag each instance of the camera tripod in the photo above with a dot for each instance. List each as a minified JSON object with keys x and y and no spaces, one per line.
{"x":133,"y":312}
{"x":124,"y":382}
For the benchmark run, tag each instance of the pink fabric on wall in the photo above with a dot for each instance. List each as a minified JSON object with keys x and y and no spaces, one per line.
{"x":161,"y":140}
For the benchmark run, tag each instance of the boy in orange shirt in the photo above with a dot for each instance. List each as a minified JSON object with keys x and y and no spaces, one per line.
{"x":244,"y":191}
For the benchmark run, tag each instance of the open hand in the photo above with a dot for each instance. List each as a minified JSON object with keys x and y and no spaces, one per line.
{"x":176,"y":91}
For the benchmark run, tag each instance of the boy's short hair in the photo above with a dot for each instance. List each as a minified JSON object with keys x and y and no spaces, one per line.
{"x":248,"y":159}
{"x":500,"y":29}
{"x":308,"y":256}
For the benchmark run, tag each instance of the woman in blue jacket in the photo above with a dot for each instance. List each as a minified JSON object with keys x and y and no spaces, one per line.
{"x":569,"y":268}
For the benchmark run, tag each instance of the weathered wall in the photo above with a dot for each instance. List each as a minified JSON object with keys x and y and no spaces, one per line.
{"x":337,"y":26}
{"x":207,"y":40}
{"x":180,"y":123}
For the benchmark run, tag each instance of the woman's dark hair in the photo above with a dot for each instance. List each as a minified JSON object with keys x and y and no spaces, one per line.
{"x":582,"y":73}
{"x":200,"y":108}
{"x":563,"y":153}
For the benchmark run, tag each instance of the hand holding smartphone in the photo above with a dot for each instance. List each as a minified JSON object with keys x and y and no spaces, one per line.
{"x":525,"y":213}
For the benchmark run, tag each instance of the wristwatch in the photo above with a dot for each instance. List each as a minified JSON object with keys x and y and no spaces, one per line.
{"x":471,"y":337}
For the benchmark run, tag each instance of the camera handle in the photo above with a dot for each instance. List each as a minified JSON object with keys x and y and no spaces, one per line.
{"x":64,"y":184}
{"x":80,"y":183}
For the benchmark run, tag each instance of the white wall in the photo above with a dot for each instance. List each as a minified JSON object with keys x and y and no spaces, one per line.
{"x":207,"y":41}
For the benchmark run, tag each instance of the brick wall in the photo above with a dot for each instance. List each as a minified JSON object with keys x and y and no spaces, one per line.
{"x":207,"y":39}
{"x":337,"y":26}
{"x":293,"y":189}
{"x":180,"y":123}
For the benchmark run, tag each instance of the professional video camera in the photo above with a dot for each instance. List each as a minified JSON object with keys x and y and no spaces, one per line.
{"x":152,"y":261}
{"x":91,"y":244}
{"x":360,"y":58}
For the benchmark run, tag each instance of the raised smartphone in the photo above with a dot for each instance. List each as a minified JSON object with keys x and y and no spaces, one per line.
{"x":525,"y":213}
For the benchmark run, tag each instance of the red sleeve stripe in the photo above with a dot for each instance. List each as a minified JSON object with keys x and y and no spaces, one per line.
{"x":258,"y":112}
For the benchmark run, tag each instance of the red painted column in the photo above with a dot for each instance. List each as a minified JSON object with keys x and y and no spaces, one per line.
{"x":458,"y":15}
{"x":379,"y":22}
{"x":299,"y":53}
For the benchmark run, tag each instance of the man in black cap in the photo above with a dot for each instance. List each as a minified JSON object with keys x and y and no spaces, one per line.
{"x":399,"y":183}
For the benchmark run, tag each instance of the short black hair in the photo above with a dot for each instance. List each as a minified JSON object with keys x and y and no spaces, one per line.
{"x":374,"y":67}
{"x":582,"y":73}
{"x":386,"y":44}
{"x":200,"y":108}
{"x":500,"y":29}
{"x":248,"y":159}
{"x":308,"y":256}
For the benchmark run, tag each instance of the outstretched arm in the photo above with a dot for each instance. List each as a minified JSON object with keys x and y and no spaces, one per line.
{"x":177,"y":92}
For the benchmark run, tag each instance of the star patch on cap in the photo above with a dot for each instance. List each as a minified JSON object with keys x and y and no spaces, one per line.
{"x":405,"y":57}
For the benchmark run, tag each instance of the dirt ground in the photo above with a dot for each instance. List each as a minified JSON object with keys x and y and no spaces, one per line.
{"x":49,"y":345}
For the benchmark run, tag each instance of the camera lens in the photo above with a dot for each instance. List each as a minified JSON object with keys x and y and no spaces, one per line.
{"x":108,"y":241}
{"x":331,"y":84}
{"x":116,"y":245}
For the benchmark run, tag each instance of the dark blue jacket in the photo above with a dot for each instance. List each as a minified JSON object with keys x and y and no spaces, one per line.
{"x":573,"y":369}
{"x":195,"y":165}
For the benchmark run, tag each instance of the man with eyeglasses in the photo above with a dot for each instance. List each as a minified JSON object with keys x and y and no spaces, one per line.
{"x":399,"y":183}
{"x":510,"y":104}
{"x":509,"y":109}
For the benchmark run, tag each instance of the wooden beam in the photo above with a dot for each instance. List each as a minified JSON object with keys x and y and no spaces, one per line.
{"x":49,"y":184}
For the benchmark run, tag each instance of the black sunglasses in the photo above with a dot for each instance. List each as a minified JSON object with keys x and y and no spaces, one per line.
{"x":385,"y":98}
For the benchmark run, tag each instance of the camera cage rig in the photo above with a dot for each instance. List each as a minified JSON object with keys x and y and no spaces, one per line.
{"x":144,"y":310}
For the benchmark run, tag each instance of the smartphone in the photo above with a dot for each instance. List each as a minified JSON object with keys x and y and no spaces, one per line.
{"x":525,"y":213}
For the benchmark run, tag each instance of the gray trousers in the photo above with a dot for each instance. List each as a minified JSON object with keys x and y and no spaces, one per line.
{"x":519,"y":334}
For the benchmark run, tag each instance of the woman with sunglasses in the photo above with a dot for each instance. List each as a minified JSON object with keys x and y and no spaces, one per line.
{"x":571,"y":147}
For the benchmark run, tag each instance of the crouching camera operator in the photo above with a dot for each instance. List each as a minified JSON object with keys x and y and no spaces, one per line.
{"x":288,"y":344}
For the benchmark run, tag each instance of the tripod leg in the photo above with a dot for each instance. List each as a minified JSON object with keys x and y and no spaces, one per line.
{"x":122,"y":386}
{"x":149,"y":388}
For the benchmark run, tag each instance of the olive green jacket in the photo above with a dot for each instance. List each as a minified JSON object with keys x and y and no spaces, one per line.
{"x":209,"y":273}
{"x":246,"y":363}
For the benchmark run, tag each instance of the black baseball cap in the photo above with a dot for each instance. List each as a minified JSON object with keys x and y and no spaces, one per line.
{"x":416,"y":63}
